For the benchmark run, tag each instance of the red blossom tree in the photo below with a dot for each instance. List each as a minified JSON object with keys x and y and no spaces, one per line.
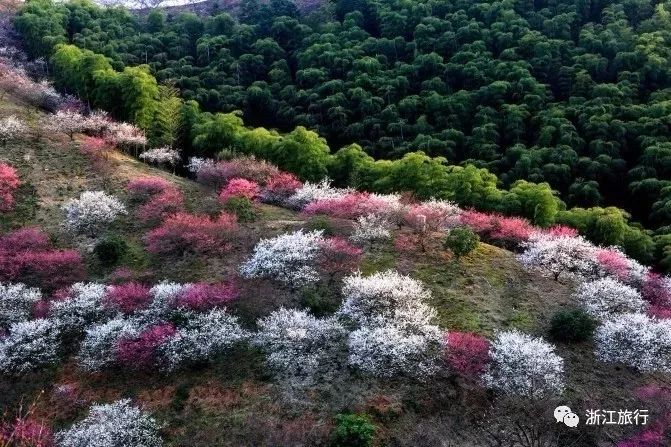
{"x":142,"y":189}
{"x":184,"y":232}
{"x":338,"y":255}
{"x":139,"y":352}
{"x":656,"y":290}
{"x":240,"y":187}
{"x":201,"y":296}
{"x":280,"y":187}
{"x":9,"y":182}
{"x":166,"y":203}
{"x":128,"y":297}
{"x":349,"y":206}
{"x":467,"y":354}
{"x":26,"y":432}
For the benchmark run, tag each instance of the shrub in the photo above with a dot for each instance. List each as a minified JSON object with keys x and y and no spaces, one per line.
{"x":187,"y":232}
{"x":242,"y":207}
{"x":280,"y":187}
{"x":81,"y":306}
{"x":614,"y":263}
{"x":220,"y":173}
{"x":142,"y":189}
{"x":46,"y":269}
{"x":92,"y":212}
{"x":466,"y":354}
{"x":310,"y":192}
{"x":160,"y":206}
{"x":299,"y":345}
{"x":321,"y":223}
{"x":461,"y":241}
{"x":23,"y":239}
{"x":349,"y":206}
{"x":432,"y":215}
{"x":571,"y":326}
{"x":288,"y":258}
{"x":371,"y":228}
{"x":202,"y":297}
{"x":352,"y":430}
{"x":97,"y":349}
{"x":657,"y":290}
{"x":111,"y":250}
{"x":141,"y":350}
{"x":239,"y":187}
{"x":606,"y":297}
{"x":11,"y":128}
{"x":9,"y":182}
{"x":94,"y":147}
{"x":524,"y":366}
{"x":511,"y":231}
{"x":28,"y":346}
{"x":127,"y":298}
{"x":16,"y":303}
{"x":636,"y":340}
{"x":116,"y":424}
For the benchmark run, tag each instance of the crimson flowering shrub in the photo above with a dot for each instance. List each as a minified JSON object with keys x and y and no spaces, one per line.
{"x":561,"y":230}
{"x":128,"y":297}
{"x":338,"y":256}
{"x":614,"y":263}
{"x":280,"y":187}
{"x":184,"y":232}
{"x":509,"y":231}
{"x":218,"y":174}
{"x":9,"y":182}
{"x":240,"y":187}
{"x":467,"y":354}
{"x":25,"y":432}
{"x":27,"y":238}
{"x":656,"y":290}
{"x":348,"y":206}
{"x":201,"y":297}
{"x":94,"y":146}
{"x":164,"y":204}
{"x":144,"y":188}
{"x":140,"y":351}
{"x":481,"y":223}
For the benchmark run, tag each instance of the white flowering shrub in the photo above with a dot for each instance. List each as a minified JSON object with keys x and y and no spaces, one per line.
{"x":93,"y":211}
{"x":203,"y":337}
{"x":523,"y":365}
{"x":162,"y":306}
{"x":82,"y":307}
{"x":299,"y":345}
{"x":311,"y":192}
{"x":161,"y":155}
{"x":125,"y":135}
{"x":97,"y":348}
{"x":371,"y":228}
{"x":16,"y":303}
{"x":605,"y":297}
{"x":387,"y":351}
{"x":556,"y":255}
{"x":98,"y":122}
{"x":289,"y":258}
{"x":196,"y":163}
{"x":11,"y":128}
{"x":28,"y":346}
{"x":119,"y":424}
{"x":636,"y":340}
{"x":385,"y":298}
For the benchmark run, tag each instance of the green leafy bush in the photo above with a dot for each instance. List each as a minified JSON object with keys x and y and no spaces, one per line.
{"x":242,"y":207}
{"x":322,"y":223}
{"x":111,"y":250}
{"x":461,"y":241}
{"x":572,"y":326}
{"x":352,"y":430}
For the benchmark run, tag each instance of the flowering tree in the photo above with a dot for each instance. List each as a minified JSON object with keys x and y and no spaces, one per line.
{"x":68,"y":122}
{"x":96,"y":350}
{"x":165,"y":296}
{"x":525,"y":366}
{"x":606,"y":297}
{"x":433,"y":215}
{"x":311,"y":192}
{"x":218,"y":174}
{"x":371,"y":228}
{"x":141,"y":350}
{"x":201,"y":296}
{"x":98,"y":123}
{"x":29,"y":345}
{"x":116,"y":424}
{"x":202,"y":338}
{"x":636,"y":340}
{"x":184,"y":232}
{"x":614,"y":263}
{"x":127,"y":298}
{"x":9,"y":182}
{"x":160,"y":206}
{"x":16,"y":303}
{"x":300,"y":346}
{"x":657,"y":290}
{"x":338,"y":256}
{"x":466,"y":354}
{"x":571,"y":256}
{"x":11,"y":128}
{"x":387,"y":351}
{"x":161,"y":156}
{"x":81,"y":306}
{"x":349,"y":206}
{"x":289,"y":258}
{"x":141,"y":189}
{"x":92,"y":212}
{"x":280,"y":187}
{"x":125,"y":136}
{"x":240,"y":187}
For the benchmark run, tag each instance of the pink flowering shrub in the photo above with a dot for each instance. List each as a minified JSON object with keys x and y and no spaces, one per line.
{"x":26,"y":432}
{"x":9,"y":182}
{"x":218,"y":174}
{"x":658,"y":400}
{"x":433,"y":215}
{"x":338,"y":255}
{"x":184,"y":232}
{"x":201,"y":297}
{"x":406,"y":242}
{"x":614,"y":263}
{"x":466,"y":354}
{"x":240,"y":187}
{"x":27,"y":238}
{"x":280,"y":187}
{"x":128,"y":297}
{"x":348,"y":206}
{"x":480,"y":223}
{"x":561,"y":230}
{"x":161,"y":205}
{"x":142,"y":189}
{"x":94,"y":146}
{"x":140,"y":352}
{"x":508,"y":231}
{"x":656,"y":290}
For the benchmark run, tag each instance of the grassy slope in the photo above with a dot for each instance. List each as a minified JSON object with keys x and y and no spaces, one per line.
{"x":233,"y":402}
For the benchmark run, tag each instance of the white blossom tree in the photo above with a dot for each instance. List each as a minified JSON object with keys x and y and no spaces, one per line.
{"x":119,"y":424}
{"x":92,"y":212}
{"x":556,"y":255}
{"x":288,"y":258}
{"x":523,"y":365}
{"x":67,"y":122}
{"x":606,"y":297}
{"x":371,"y":228}
{"x":82,"y":307}
{"x":11,"y":128}
{"x":28,"y":346}
{"x":161,"y":156}
{"x":96,"y":350}
{"x":16,"y":303}
{"x":125,"y":136}
{"x":636,"y":340}
{"x":311,"y":192}
{"x":300,"y":346}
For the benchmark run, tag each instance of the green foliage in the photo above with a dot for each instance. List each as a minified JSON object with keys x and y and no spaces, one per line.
{"x":572,"y":326}
{"x":352,"y":430}
{"x":321,"y":222}
{"x":461,"y":241}
{"x":319,"y":300}
{"x":111,"y":250}
{"x":242,"y":207}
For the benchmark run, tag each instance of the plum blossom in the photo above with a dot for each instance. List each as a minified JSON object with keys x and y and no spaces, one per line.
{"x":28,"y":346}
{"x":92,"y":212}
{"x":16,"y":303}
{"x":606,"y":297}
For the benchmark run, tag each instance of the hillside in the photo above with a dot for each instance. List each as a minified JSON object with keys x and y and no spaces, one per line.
{"x":234,"y":400}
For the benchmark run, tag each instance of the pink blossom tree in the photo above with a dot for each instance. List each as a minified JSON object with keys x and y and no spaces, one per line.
{"x":128,"y":297}
{"x":141,"y":351}
{"x":466,"y":354}
{"x":184,"y":232}
{"x":9,"y":182}
{"x":201,"y":296}
{"x":280,"y":187}
{"x":240,"y":187}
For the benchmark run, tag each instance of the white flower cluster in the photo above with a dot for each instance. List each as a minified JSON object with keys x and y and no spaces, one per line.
{"x":310,"y":192}
{"x":288,"y":258}
{"x":82,"y":307}
{"x":92,"y":212}
{"x":636,"y":340}
{"x":606,"y":297}
{"x":67,"y":122}
{"x":10,"y":129}
{"x":556,"y":255}
{"x":524,"y":365}
{"x":125,"y":135}
{"x":162,"y":306}
{"x":29,"y":345}
{"x":161,"y":155}
{"x":371,"y":228}
{"x":16,"y":303}
{"x":203,"y":337}
{"x":98,"y":122}
{"x":119,"y":424}
{"x":96,"y":350}
{"x":300,"y":345}
{"x":197,"y":163}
